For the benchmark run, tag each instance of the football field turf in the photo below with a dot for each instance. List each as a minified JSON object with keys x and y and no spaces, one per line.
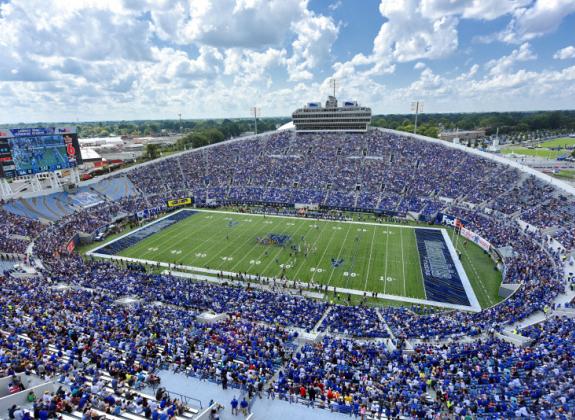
{"x":368,"y":257}
{"x":364,"y":257}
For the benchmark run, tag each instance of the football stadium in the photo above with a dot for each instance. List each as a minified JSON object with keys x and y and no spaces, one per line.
{"x":327,"y":269}
{"x":307,"y":244}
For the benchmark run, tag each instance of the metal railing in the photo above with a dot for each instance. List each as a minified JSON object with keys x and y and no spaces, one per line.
{"x":186,"y":399}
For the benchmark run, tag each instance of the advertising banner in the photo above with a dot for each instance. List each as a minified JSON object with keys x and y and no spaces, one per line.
{"x":186,"y":201}
{"x":473,"y":237}
{"x":446,"y":219}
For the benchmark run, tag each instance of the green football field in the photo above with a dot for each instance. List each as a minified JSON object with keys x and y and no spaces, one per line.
{"x":366,"y":257}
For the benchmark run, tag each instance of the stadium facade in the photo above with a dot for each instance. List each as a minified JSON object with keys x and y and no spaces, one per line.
{"x":347,"y":118}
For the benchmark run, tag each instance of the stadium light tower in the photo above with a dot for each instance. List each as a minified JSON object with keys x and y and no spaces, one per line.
{"x":333,"y":85}
{"x":417,"y":107}
{"x":255,"y":111}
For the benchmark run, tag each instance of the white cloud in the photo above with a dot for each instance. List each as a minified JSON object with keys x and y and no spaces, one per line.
{"x":565,"y":53}
{"x":543,"y":17}
{"x":507,"y":90}
{"x":423,"y":29}
{"x":334,"y":6}
{"x":109,"y":49}
{"x":506,"y":63}
{"x":252,"y":66}
{"x":101,"y":59}
{"x":176,"y":64}
{"x":471,"y":9}
{"x":231,"y":23}
{"x":409,"y":35}
{"x":312,"y":47}
{"x":90,"y":30}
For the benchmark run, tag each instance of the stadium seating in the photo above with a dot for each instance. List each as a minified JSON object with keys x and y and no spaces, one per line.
{"x":116,"y":188}
{"x":393,"y":361}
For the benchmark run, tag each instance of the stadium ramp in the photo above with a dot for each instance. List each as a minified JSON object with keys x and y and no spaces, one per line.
{"x":48,"y":207}
{"x":116,"y":188}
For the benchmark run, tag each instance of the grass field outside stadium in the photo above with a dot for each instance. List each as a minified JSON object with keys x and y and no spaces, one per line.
{"x":565,"y":174}
{"x":551,"y":149}
{"x":560,"y":142}
{"x":367,"y":257}
{"x":538,"y":152}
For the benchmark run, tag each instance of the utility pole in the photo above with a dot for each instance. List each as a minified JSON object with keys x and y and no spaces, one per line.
{"x":255,"y":111}
{"x":417,"y":107}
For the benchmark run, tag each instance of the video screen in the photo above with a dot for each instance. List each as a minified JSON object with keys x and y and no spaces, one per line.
{"x":32,"y":155}
{"x":33,"y":151}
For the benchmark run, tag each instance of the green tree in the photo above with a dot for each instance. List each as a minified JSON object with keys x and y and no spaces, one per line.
{"x":152,"y":151}
{"x":230,"y":129}
{"x":199,"y":140}
{"x":213,"y":135}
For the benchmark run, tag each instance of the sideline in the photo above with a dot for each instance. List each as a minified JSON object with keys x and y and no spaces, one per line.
{"x":462,"y":274}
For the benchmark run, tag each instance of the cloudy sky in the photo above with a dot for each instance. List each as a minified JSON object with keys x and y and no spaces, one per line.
{"x":68,"y":60}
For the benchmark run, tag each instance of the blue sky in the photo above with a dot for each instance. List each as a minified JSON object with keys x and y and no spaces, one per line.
{"x":63,"y":60}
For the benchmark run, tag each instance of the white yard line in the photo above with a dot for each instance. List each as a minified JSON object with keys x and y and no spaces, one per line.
{"x":197,"y":247}
{"x":369,"y":261}
{"x":263,"y":228}
{"x":386,"y":256}
{"x":356,"y":292}
{"x":403,"y":262}
{"x":311,"y":218}
{"x":261,"y":255}
{"x":258,"y":215}
{"x":278,"y":252}
{"x":323,"y":255}
{"x":225,"y":249}
{"x":173,"y":239}
{"x":338,"y":255}
{"x":314,"y":245}
{"x":172,"y":267}
{"x":131,"y":232}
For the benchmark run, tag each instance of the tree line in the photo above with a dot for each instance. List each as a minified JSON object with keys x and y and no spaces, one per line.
{"x":507,"y":122}
{"x":198,"y":133}
{"x":228,"y":127}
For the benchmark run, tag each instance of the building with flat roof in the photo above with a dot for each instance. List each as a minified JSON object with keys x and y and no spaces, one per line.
{"x":350,"y":117}
{"x":457,"y":136}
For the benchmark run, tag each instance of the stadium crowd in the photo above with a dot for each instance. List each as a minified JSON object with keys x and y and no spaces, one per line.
{"x":75,"y":335}
{"x":16,"y":232}
{"x":486,"y":378}
{"x":77,"y":332}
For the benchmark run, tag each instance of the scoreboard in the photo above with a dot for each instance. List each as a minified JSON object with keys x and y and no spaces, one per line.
{"x":28,"y":151}
{"x":6,"y":163}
